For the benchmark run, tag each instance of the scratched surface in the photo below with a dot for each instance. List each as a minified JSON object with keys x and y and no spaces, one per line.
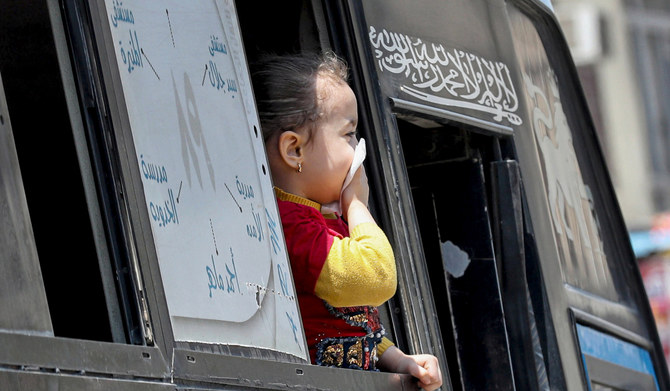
{"x":206,"y":182}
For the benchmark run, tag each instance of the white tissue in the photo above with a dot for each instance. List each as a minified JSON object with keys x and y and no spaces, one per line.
{"x":357,"y":161}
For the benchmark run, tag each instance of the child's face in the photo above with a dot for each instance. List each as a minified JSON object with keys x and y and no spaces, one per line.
{"x":329,"y":153}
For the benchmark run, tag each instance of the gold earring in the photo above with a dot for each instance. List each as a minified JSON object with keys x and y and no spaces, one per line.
{"x":299,"y":167}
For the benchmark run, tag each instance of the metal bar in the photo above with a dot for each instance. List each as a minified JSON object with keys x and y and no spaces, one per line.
{"x":514,"y":286}
{"x":446,"y":116}
{"x":80,"y":355}
{"x":618,"y":331}
{"x":87,"y":173}
{"x":191,"y":366}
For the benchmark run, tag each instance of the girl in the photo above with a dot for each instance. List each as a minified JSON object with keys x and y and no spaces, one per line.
{"x":342,"y":271}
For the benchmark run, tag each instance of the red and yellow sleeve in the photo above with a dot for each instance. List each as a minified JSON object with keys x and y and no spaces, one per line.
{"x":359,"y":270}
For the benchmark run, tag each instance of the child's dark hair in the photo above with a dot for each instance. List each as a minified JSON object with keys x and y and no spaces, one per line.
{"x":285,"y":89}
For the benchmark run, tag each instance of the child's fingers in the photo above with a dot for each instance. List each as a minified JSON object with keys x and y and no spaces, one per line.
{"x":419,"y":372}
{"x":432,"y":380}
{"x":359,"y":185}
{"x":430,"y":387}
{"x":364,"y":176}
{"x":428,"y":374}
{"x":360,"y":176}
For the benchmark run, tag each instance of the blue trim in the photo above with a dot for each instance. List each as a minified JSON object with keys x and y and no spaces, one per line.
{"x":614,"y":350}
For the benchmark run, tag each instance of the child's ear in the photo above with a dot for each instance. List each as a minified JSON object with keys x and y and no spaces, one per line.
{"x":291,"y":148}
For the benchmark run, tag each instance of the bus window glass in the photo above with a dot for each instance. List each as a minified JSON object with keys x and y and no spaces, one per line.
{"x":614,"y":364}
{"x":55,"y":173}
{"x":587,"y":255}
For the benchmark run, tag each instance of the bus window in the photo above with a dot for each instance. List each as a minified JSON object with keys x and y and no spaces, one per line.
{"x":587,"y":257}
{"x":22,"y":290}
{"x":56,"y":173}
{"x":448,"y":169}
{"x":454,"y":175}
{"x":173,"y":178}
{"x":614,"y":364}
{"x":306,"y":34}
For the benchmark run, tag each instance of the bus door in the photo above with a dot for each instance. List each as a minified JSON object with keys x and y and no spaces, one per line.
{"x":513,"y":257}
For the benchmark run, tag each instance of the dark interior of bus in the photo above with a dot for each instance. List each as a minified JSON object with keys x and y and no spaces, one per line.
{"x":51,"y":173}
{"x":458,"y":194}
{"x":457,"y":240}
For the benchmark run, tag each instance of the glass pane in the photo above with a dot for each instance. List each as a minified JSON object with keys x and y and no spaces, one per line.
{"x":567,"y":173}
{"x":51,"y":170}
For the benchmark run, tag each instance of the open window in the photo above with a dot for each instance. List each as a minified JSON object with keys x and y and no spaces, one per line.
{"x":613,"y":363}
{"x":299,"y":27}
{"x":480,"y":253}
{"x":172,"y":89}
{"x":449,"y":173}
{"x":87,"y":286}
{"x":68,"y":282}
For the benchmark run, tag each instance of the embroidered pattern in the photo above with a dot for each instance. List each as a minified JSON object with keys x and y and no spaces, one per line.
{"x":333,"y":354}
{"x":348,"y":352}
{"x":365,"y":317}
{"x":352,"y":352}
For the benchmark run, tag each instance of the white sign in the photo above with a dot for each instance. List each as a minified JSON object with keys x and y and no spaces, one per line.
{"x":206,"y":179}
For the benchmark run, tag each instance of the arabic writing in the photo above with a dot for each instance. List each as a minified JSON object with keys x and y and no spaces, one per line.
{"x":283,"y":280}
{"x":255,"y":230}
{"x":132,"y":57}
{"x":232,"y":85}
{"x":274,"y":237}
{"x":153,"y":172}
{"x":165,"y":212}
{"x":215,"y":77}
{"x":228,"y":283}
{"x":121,"y":14}
{"x":447,"y":77}
{"x":245,"y":190}
{"x":217,"y":80}
{"x":217,"y":46}
{"x":294,"y":328}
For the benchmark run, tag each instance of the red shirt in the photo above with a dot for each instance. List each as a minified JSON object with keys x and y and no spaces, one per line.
{"x":309,"y":236}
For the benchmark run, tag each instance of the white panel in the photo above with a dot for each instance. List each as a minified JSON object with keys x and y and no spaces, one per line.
{"x":205,"y":174}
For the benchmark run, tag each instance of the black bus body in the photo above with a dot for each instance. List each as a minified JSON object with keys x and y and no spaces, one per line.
{"x":514,"y":263}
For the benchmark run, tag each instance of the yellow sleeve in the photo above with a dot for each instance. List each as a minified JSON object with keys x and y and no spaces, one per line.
{"x":383,"y":345}
{"x":359,"y":270}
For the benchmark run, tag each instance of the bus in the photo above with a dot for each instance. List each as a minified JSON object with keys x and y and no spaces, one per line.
{"x":140,"y":243}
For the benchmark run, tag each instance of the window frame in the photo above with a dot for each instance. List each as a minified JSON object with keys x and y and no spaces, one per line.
{"x":191,"y":363}
{"x":40,"y":352}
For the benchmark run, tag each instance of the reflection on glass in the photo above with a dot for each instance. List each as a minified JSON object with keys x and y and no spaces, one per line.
{"x":573,"y":218}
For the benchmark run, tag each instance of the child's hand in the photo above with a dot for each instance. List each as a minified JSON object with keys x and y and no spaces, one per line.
{"x":356,"y":190}
{"x":354,"y":200}
{"x":424,"y":367}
